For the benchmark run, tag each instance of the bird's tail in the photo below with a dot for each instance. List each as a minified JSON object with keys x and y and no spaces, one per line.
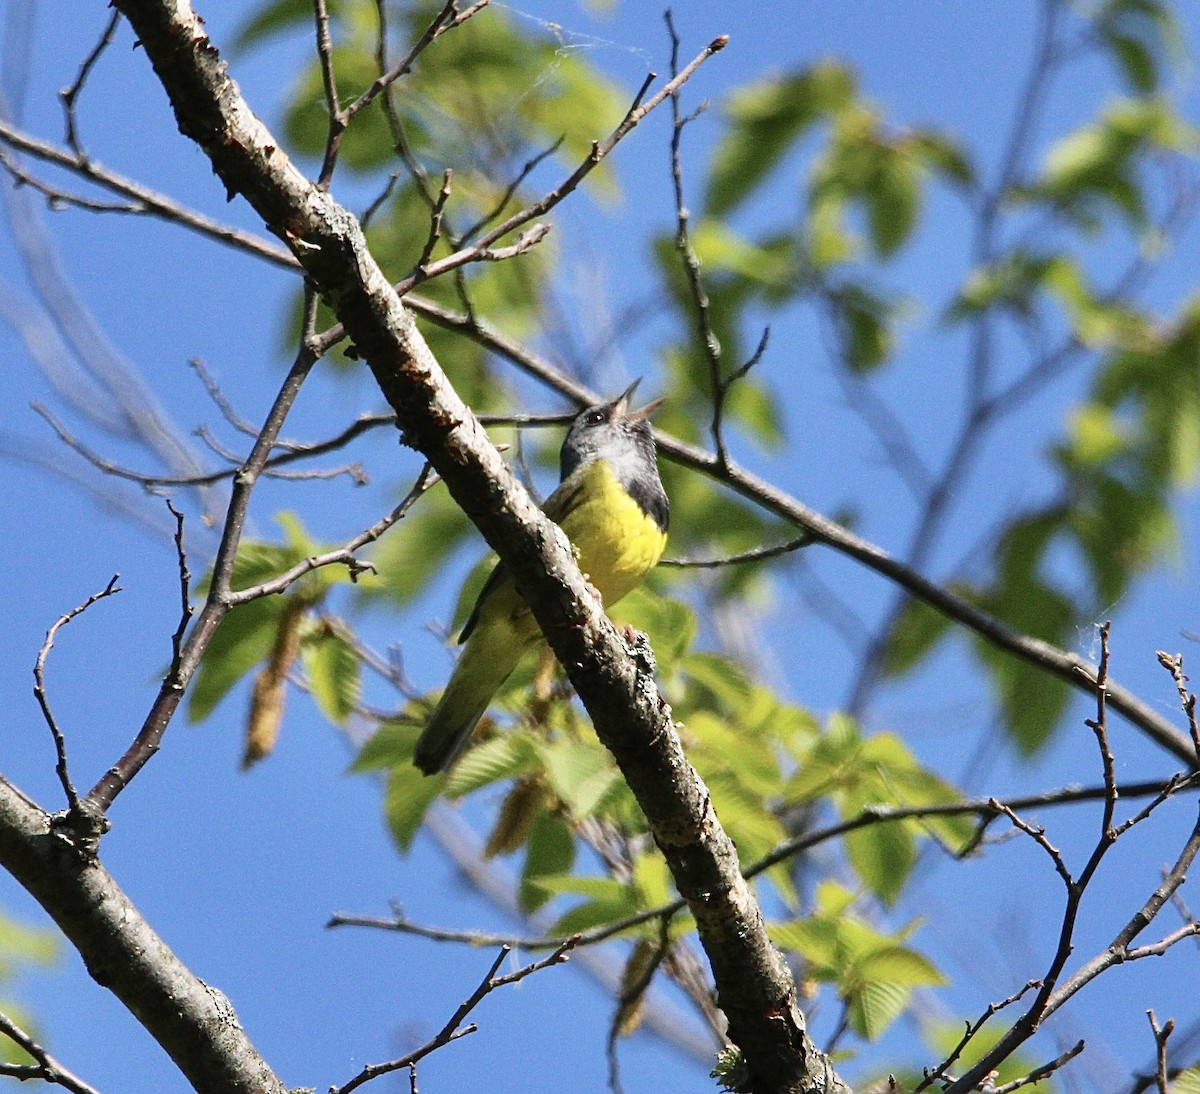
{"x":476,"y":678}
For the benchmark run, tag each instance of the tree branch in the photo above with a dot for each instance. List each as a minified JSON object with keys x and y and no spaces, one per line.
{"x":193,"y":1022}
{"x":615,"y":683}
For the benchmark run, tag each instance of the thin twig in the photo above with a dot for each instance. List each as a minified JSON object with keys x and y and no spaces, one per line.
{"x":46,"y":1068}
{"x":217,"y":603}
{"x":454,"y":1028}
{"x":1160,"y":1049}
{"x":1099,"y":726}
{"x":987,"y":808}
{"x":185,"y":580}
{"x":937,"y":1073}
{"x":345,"y":555}
{"x":1187,"y":699}
{"x":149,"y":202}
{"x":69,"y":94}
{"x":39,"y":686}
{"x":757,"y":554}
{"x":1040,"y":1073}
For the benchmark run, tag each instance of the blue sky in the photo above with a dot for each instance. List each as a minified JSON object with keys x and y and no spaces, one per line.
{"x":240,"y":872}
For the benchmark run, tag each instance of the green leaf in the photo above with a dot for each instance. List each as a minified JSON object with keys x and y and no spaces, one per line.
{"x":863,"y":326}
{"x":882,"y":856}
{"x":581,"y":773}
{"x":333,"y":676}
{"x":407,"y":799}
{"x":275,"y":18}
{"x":504,"y":756}
{"x":389,"y":746}
{"x":414,"y":551}
{"x":893,"y":200}
{"x":243,"y":639}
{"x":874,"y":1007}
{"x":1186,"y":1082}
{"x":900,"y":965}
{"x":765,"y":119}
{"x":595,"y":913}
{"x":549,"y":852}
{"x":917,"y":629}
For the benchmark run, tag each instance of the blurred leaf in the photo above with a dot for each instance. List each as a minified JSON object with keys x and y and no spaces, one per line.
{"x":863,"y":325}
{"x":21,"y":944}
{"x":522,"y":805}
{"x":504,"y":756}
{"x":581,"y":773}
{"x":275,"y":17}
{"x":917,"y":629}
{"x":882,"y":856}
{"x":414,"y":550}
{"x":1186,"y":1082}
{"x":243,"y":639}
{"x":333,"y":672}
{"x":764,"y":120}
{"x":389,"y":746}
{"x":549,"y":852}
{"x":900,"y":965}
{"x":407,"y":799}
{"x":875,"y":1006}
{"x":599,"y":912}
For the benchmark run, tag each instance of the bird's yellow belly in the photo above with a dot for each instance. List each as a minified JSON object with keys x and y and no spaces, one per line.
{"x":617,"y":543}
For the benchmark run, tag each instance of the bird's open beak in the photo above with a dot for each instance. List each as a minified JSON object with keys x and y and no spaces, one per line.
{"x":621,"y":409}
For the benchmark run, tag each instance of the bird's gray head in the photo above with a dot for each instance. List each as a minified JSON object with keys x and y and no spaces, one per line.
{"x":613,"y":432}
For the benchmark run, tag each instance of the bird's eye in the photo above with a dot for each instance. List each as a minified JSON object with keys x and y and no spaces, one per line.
{"x":594,"y":417}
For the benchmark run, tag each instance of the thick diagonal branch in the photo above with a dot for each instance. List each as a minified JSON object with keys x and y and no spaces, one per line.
{"x":754,"y":986}
{"x":193,"y":1022}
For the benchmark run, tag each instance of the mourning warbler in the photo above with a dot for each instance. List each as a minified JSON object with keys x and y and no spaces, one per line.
{"x":611,"y":504}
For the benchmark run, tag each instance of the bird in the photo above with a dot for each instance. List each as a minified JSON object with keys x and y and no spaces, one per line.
{"x":611,"y":504}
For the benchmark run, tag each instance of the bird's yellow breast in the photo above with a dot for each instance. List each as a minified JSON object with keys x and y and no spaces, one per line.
{"x":617,"y":542}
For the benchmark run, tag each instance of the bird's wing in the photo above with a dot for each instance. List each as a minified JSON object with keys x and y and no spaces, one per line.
{"x":556,"y":507}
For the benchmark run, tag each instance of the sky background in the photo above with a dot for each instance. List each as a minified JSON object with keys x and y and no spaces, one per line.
{"x":239,"y":873}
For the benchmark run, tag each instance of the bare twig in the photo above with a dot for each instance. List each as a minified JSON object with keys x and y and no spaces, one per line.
{"x":46,"y":1068}
{"x":986,"y":808}
{"x":1099,"y":726}
{"x":217,"y":603}
{"x":937,"y":1073}
{"x":69,"y":94}
{"x":600,"y":149}
{"x":526,"y":241}
{"x":1050,"y":997}
{"x":145,"y":200}
{"x":345,"y":555}
{"x":757,"y":554}
{"x":39,"y":686}
{"x":1187,"y":699}
{"x":454,"y":1028}
{"x":1040,"y":1073}
{"x":1161,"y":1033}
{"x":185,"y":579}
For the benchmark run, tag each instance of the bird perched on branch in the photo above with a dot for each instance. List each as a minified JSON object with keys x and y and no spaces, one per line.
{"x":611,"y":504}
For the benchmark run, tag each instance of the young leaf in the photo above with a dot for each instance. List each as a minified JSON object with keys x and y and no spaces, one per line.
{"x":407,"y":799}
{"x":764,"y":120}
{"x":549,"y":852}
{"x":333,"y":672}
